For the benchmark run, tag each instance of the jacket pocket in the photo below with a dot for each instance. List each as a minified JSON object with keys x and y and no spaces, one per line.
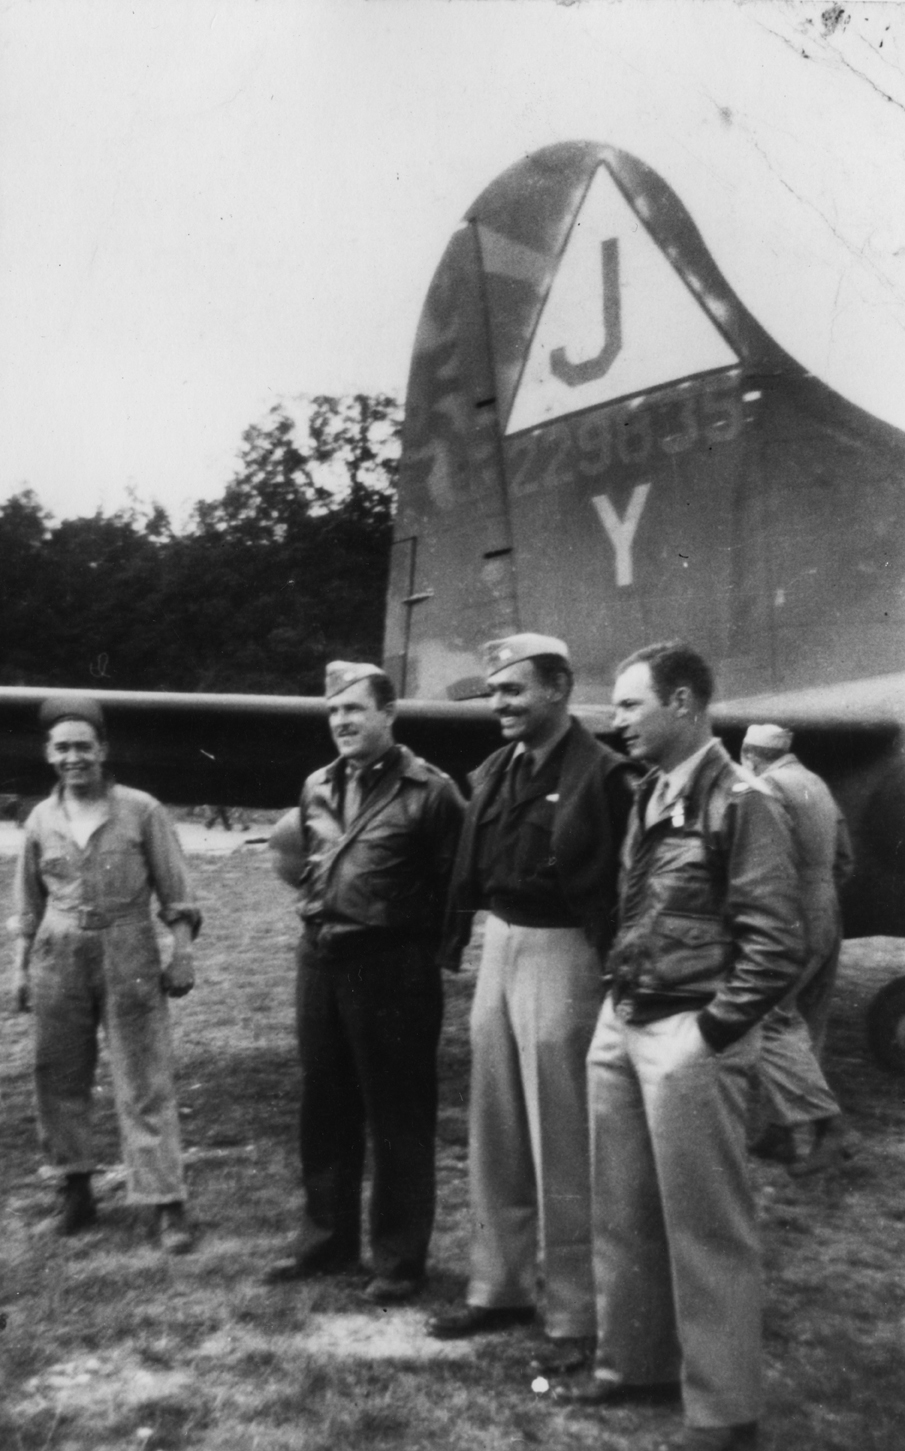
{"x":688,"y":950}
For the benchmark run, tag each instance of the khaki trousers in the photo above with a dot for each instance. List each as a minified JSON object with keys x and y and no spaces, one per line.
{"x":792,"y":1089}
{"x":676,"y":1253}
{"x":536,"y":1002}
{"x":83,"y":979}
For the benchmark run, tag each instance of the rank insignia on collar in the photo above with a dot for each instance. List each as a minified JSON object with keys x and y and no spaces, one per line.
{"x":678,"y":813}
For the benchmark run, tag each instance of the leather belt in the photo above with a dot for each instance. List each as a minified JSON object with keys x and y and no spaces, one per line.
{"x":92,"y":919}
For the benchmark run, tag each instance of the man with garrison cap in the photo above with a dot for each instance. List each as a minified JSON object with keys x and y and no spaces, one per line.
{"x":539,"y":850}
{"x":375,"y":842}
{"x":93,"y":854}
{"x":800,"y":1118}
{"x":708,"y":942}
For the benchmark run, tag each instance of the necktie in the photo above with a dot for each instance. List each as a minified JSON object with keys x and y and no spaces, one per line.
{"x":352,"y":799}
{"x":657,"y":802}
{"x":521,"y":773}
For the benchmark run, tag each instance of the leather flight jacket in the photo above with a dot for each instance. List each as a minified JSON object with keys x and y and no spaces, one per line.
{"x":388,"y":872}
{"x":709,"y":912}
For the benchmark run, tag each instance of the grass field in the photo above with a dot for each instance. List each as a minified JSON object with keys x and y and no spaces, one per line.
{"x":111,"y":1345}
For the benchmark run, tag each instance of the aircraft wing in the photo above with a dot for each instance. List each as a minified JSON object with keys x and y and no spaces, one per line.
{"x":238,"y":750}
{"x":851,"y":734}
{"x":874,"y":706}
{"x":183,"y":748}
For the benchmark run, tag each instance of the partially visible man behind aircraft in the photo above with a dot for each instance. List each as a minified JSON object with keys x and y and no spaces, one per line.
{"x":800,"y":1118}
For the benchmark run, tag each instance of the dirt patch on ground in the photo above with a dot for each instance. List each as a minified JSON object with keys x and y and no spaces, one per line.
{"x":376,"y":1335}
{"x":100,"y":1386}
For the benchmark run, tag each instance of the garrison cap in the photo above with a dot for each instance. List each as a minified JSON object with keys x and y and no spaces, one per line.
{"x":71,"y":707}
{"x":343,"y":673}
{"x":768,"y":737}
{"x":499,"y":654}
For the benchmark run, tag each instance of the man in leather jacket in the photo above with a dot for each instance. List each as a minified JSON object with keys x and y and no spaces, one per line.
{"x":539,"y":850}
{"x":375,"y":843}
{"x":709,"y":940}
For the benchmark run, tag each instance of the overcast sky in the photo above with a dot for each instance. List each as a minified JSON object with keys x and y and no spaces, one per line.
{"x":210,"y":206}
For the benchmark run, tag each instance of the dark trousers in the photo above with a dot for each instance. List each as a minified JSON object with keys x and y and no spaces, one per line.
{"x":368,"y":1029}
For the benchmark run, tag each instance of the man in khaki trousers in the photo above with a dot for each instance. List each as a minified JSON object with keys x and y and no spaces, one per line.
{"x":539,"y":850}
{"x":708,"y":942}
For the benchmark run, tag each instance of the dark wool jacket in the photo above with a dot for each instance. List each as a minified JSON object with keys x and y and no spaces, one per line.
{"x":709,"y":905}
{"x":588,"y":825}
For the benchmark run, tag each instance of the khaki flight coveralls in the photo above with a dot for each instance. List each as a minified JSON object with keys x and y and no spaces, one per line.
{"x":94,"y":959}
{"x":793,"y":1088}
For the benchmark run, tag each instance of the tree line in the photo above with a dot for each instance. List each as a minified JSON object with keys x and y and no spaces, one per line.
{"x":286,"y":570}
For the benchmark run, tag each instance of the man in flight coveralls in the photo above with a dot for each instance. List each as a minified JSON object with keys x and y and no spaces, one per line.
{"x":93,"y":854}
{"x":540,"y":851}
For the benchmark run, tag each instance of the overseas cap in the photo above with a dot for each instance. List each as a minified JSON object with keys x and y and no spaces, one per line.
{"x":768,"y":737}
{"x":71,"y":707}
{"x":343,"y":673}
{"x":498,"y":654}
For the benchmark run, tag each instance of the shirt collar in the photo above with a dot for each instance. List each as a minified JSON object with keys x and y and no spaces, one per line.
{"x":366,"y":774}
{"x":109,"y":783}
{"x":675,"y":781}
{"x":781,"y":761}
{"x":542,"y":754}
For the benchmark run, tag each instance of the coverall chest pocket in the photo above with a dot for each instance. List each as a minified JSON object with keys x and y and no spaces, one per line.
{"x":122,"y":875}
{"x":56,"y":867}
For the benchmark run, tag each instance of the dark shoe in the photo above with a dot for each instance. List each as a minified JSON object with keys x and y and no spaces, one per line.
{"x":478,"y":1320}
{"x":824,"y":1147}
{"x":79,"y":1209}
{"x":720,"y":1438}
{"x":384,"y":1291}
{"x":590,"y":1390}
{"x":172,"y":1230}
{"x":594,"y":1390}
{"x":775,"y":1143}
{"x":307,"y":1267}
{"x":563,"y":1356}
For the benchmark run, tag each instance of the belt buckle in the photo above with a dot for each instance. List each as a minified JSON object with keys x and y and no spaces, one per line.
{"x":91,"y":919}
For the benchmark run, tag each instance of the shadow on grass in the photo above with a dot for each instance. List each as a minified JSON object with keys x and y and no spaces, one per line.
{"x":167,"y":1425}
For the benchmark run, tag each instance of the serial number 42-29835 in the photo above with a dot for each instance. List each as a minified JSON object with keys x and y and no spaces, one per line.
{"x":589,"y":445}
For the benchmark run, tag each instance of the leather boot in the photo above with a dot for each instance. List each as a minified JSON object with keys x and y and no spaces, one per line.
{"x":79,"y":1209}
